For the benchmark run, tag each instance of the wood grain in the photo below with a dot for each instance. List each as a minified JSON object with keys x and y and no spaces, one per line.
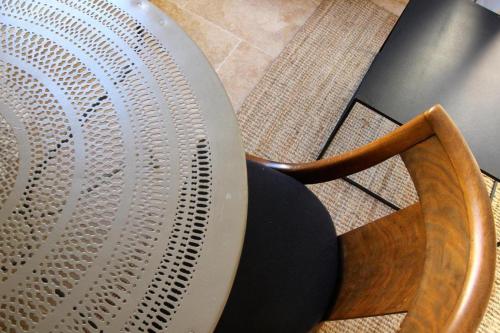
{"x":481,"y":228}
{"x":460,"y":233}
{"x":435,"y":259}
{"x":378,"y":259}
{"x":445,"y":216}
{"x":356,"y":160}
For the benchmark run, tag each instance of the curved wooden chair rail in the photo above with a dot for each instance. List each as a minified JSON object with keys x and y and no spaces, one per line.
{"x":434,"y":260}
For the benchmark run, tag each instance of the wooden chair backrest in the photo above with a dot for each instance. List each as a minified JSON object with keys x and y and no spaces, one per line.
{"x":434,"y":260}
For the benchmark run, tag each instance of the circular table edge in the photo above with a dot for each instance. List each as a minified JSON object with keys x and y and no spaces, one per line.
{"x":210,"y":286}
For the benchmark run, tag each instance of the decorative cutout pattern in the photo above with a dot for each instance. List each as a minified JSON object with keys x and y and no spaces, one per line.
{"x":119,"y":194}
{"x":9,"y":163}
{"x":25,"y":227}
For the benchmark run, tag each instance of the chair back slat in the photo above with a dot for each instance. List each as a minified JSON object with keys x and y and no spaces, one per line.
{"x":447,"y":238}
{"x":460,"y":236}
{"x":434,"y":260}
{"x":382,"y":265}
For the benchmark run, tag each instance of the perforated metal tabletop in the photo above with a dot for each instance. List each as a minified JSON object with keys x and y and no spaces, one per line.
{"x":122,"y":175}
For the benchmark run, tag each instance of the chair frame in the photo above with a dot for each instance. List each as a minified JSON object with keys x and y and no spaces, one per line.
{"x":435,"y":259}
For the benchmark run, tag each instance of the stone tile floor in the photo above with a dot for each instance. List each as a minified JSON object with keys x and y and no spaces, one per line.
{"x":242,"y":37}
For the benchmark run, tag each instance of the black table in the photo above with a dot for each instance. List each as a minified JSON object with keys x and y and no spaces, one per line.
{"x":445,"y":52}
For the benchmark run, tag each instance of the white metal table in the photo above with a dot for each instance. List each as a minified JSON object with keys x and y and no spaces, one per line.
{"x":122,"y":175}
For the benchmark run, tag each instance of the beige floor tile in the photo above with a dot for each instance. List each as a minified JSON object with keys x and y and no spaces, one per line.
{"x":180,"y":3}
{"x":214,"y":41}
{"x":265,"y":24}
{"x":394,"y":6}
{"x":242,"y":70}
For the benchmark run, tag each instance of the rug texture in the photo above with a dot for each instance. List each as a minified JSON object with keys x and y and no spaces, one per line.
{"x":292,"y":110}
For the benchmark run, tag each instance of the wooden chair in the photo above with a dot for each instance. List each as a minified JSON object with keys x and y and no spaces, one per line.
{"x":435,"y":259}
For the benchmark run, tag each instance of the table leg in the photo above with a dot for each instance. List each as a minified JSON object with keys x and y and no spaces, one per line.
{"x":334,"y":132}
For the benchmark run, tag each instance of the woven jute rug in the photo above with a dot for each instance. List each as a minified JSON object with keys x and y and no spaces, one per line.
{"x":292,"y":110}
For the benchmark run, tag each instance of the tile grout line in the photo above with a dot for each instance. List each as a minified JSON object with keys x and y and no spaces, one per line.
{"x":213,"y":24}
{"x":240,"y":38}
{"x":186,"y":9}
{"x":184,"y":5}
{"x":228,"y":55}
{"x":261,"y":50}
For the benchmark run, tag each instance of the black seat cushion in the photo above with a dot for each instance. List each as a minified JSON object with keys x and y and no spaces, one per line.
{"x":288,"y":268}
